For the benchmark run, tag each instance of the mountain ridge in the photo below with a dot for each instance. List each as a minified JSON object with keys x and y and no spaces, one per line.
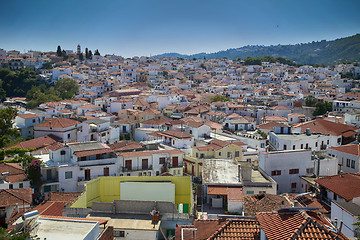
{"x":345,"y":49}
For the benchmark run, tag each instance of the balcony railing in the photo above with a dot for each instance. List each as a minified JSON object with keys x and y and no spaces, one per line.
{"x":132,"y":169}
{"x":81,"y":179}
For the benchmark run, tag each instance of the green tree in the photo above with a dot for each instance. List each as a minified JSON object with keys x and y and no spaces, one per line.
{"x":310,"y":101}
{"x":66,"y":87}
{"x":58,"y":51}
{"x":86,"y":53}
{"x":47,"y":65}
{"x":81,"y":57}
{"x":7,"y":131}
{"x":97,"y":52}
{"x":90,"y":54}
{"x":219,"y":98}
{"x":322,"y":108}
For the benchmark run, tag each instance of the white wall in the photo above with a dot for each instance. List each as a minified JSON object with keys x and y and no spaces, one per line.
{"x":284,"y":161}
{"x":147,"y":191}
{"x":347,"y":218}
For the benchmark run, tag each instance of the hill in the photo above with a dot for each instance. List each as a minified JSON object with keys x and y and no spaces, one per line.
{"x":321,"y":52}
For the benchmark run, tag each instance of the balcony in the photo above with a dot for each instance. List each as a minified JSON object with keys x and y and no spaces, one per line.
{"x":133,"y":169}
{"x":82,"y":179}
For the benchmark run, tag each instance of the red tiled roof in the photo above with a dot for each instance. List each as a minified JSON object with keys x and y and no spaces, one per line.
{"x":345,"y":185}
{"x":93,"y":152}
{"x":16,"y":172}
{"x":300,"y":225}
{"x":57,"y":123}
{"x":9,"y":197}
{"x":51,"y":208}
{"x":263,"y":202}
{"x":27,"y":115}
{"x":233,"y":193}
{"x":325,"y":127}
{"x":64,"y":196}
{"x":37,"y":142}
{"x":353,"y":149}
{"x":148,"y":153}
{"x":234,"y":229}
{"x":221,"y":229}
{"x":171,"y":133}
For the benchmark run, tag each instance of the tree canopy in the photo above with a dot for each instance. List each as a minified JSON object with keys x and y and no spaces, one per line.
{"x":219,"y":98}
{"x":7,"y":132}
{"x":64,"y":89}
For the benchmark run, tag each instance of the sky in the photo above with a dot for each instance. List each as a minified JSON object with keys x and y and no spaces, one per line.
{"x":149,"y":27}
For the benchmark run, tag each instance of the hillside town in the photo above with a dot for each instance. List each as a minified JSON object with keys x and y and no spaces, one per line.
{"x":177,"y":148}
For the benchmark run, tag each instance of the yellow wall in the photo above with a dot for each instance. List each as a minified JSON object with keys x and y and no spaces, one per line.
{"x":107,"y":189}
{"x":230,"y":148}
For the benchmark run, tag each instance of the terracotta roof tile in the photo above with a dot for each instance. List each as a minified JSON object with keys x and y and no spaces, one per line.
{"x":345,"y":185}
{"x":57,"y":123}
{"x":37,"y":142}
{"x":9,"y":197}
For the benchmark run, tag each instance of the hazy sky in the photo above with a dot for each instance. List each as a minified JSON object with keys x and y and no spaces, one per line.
{"x":149,"y":27}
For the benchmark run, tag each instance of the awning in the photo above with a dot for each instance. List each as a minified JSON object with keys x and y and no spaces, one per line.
{"x":349,"y":133}
{"x":232,"y":193}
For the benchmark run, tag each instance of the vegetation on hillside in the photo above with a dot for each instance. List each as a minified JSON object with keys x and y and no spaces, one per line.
{"x":321,"y":52}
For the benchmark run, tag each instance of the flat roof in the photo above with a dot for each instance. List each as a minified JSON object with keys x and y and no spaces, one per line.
{"x":220,"y":171}
{"x":56,"y":229}
{"x":298,"y":136}
{"x":128,"y":221}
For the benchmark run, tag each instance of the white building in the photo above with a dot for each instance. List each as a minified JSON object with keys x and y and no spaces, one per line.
{"x":26,"y":122}
{"x":64,"y":128}
{"x":348,"y":157}
{"x":151,"y":163}
{"x":285,"y":167}
{"x":98,"y":130}
{"x":297,"y":141}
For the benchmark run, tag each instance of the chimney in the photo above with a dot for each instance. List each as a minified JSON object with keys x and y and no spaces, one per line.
{"x":308,"y":132}
{"x":16,"y":208}
{"x":246,"y":171}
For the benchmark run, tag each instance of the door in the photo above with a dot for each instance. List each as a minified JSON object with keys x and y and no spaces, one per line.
{"x":192,"y":170}
{"x":87,"y":174}
{"x":175,"y":161}
{"x":106,"y":171}
{"x":128,"y":165}
{"x":145,"y":164}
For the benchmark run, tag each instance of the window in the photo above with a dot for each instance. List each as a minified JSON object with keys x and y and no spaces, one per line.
{"x":327,"y":141}
{"x":310,"y":170}
{"x":157,"y":173}
{"x":353,"y":164}
{"x":285,"y":147}
{"x":69,"y":136}
{"x":316,"y":144}
{"x":307,"y":146}
{"x":11,"y":186}
{"x":21,"y":185}
{"x":162,"y":160}
{"x":63,"y":152}
{"x":219,"y":153}
{"x":228,"y":154}
{"x":276,"y":173}
{"x":249,"y":192}
{"x":33,"y":120}
{"x":293,"y":147}
{"x":197,"y":155}
{"x":68,"y":175}
{"x":202,"y":155}
{"x":294,"y":171}
{"x":293,"y":185}
{"x":119,"y":233}
{"x":302,"y":146}
{"x":237,"y":153}
{"x":348,"y":162}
